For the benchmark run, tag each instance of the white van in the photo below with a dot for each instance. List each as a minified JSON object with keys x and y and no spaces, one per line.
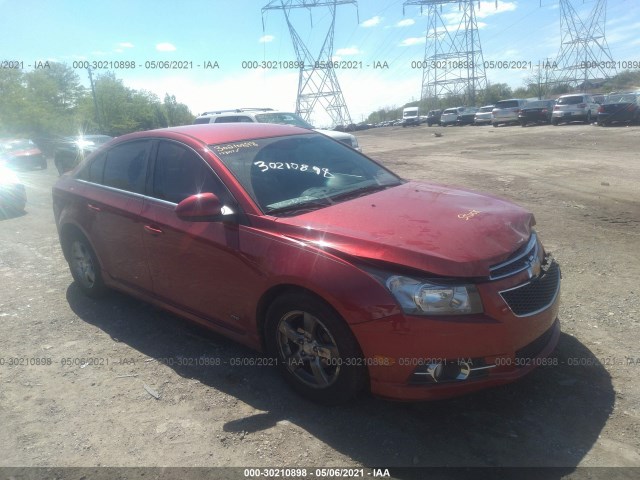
{"x":410,"y":116}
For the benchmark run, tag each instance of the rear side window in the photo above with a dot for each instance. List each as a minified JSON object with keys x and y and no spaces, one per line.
{"x":126,"y":166}
{"x":202,"y":120}
{"x":179,"y":172}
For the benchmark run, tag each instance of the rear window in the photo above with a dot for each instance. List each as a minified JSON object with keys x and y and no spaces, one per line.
{"x":537,"y":105}
{"x":486,"y":109}
{"x":507,"y":104}
{"x":570,"y":100}
{"x":628,"y":98}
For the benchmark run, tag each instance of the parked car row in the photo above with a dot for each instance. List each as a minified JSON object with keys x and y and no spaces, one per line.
{"x":612,"y":108}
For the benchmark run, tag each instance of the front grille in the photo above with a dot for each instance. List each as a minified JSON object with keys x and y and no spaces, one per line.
{"x":536,"y":295}
{"x":521,"y":260}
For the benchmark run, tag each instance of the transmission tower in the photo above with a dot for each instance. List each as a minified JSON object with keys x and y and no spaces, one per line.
{"x":317,"y":82}
{"x":584,"y":59}
{"x":453,"y":62}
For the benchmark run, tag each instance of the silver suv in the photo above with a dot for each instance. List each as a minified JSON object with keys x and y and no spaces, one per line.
{"x":269,"y":115}
{"x":570,"y":108}
{"x":506,"y":111}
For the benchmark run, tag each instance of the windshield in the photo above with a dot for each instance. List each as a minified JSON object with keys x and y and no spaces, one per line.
{"x":287,"y":174}
{"x":283,"y":119}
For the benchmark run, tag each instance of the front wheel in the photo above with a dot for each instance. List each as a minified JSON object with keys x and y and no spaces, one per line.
{"x":316,"y":351}
{"x":554,"y":122}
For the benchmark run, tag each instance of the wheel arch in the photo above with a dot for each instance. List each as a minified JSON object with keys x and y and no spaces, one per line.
{"x":67,"y":232}
{"x":277,"y":291}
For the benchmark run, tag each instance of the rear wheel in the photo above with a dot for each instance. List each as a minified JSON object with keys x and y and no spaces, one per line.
{"x":554,"y":122}
{"x":84,"y":266}
{"x":316,"y":351}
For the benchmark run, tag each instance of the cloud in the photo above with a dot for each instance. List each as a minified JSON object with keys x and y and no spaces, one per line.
{"x":165,"y":47}
{"x":407,"y":42}
{"x":407,"y":22}
{"x":372,"y":22}
{"x":266,"y":39}
{"x":486,"y":9}
{"x":125,"y":45}
{"x":348,"y":51}
{"x":489,"y":8}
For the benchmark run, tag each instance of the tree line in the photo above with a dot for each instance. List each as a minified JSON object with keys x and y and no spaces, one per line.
{"x":50,"y":102}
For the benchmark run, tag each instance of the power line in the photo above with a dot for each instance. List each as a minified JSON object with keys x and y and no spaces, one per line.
{"x":318,"y":84}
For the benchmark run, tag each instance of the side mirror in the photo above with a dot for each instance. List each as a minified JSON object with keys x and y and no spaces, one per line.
{"x":203,"y":207}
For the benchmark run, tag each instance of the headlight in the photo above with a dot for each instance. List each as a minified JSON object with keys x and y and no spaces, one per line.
{"x":423,"y":298}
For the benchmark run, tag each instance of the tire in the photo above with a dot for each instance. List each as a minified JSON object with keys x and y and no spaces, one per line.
{"x":523,"y":124}
{"x":84,"y":266}
{"x":554,"y":122}
{"x":588,"y":120}
{"x":314,"y":346}
{"x":495,"y":125}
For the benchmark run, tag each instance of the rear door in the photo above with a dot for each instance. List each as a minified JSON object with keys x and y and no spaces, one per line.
{"x":113,"y":200}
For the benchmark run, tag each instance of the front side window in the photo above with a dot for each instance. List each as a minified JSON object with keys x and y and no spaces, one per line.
{"x":286,"y":174}
{"x":126,"y":166}
{"x":179,"y":172}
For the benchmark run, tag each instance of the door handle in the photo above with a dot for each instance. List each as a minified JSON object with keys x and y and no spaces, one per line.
{"x":93,"y":207}
{"x":153,"y":230}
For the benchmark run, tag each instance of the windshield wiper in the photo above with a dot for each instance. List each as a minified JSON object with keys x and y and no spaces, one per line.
{"x":298,"y":207}
{"x":359,"y":192}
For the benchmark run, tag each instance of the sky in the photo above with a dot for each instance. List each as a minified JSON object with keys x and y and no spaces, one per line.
{"x":235,"y":36}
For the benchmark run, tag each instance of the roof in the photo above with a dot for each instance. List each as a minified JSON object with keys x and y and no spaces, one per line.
{"x":212,"y":133}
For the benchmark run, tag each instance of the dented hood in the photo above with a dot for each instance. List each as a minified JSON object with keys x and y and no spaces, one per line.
{"x":442,"y":230}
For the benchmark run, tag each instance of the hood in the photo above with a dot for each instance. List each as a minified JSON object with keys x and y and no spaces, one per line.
{"x":441,"y":230}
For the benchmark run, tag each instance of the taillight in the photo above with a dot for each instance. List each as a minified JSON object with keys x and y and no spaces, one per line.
{"x":581,"y":105}
{"x":544,"y":110}
{"x":556,"y":107}
{"x":601,"y":109}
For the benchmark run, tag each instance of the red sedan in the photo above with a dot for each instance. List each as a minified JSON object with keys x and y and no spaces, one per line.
{"x":22,"y":153}
{"x":295,"y":244}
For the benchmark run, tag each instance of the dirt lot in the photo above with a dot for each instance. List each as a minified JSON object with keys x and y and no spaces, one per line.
{"x":582,"y":182}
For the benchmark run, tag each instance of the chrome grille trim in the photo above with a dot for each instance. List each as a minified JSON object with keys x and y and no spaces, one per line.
{"x":522,"y":260}
{"x":549,"y":279}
